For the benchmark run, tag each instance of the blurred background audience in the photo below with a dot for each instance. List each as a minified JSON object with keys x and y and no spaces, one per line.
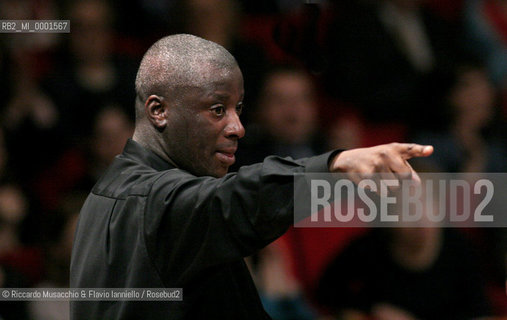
{"x":318,"y":75}
{"x":405,"y":274}
{"x":471,"y":140}
{"x":415,"y":271}
{"x":286,"y":118}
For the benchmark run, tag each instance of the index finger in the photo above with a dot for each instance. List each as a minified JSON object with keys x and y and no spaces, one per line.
{"x":412,"y":150}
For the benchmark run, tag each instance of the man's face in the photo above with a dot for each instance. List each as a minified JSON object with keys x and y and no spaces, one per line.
{"x":204,"y":126}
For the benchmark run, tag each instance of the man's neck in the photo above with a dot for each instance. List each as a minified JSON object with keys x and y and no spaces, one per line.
{"x":153,"y":145}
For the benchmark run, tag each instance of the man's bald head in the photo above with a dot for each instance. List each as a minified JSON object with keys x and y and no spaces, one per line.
{"x":177,"y":62}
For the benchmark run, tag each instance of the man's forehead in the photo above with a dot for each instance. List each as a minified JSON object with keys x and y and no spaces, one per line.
{"x":212,"y":79}
{"x":212,"y":72}
{"x":218,"y":87}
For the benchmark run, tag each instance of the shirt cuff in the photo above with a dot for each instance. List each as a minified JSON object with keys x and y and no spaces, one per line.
{"x":321,"y":163}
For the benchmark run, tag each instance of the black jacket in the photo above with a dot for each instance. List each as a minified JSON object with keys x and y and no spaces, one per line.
{"x":147,"y":224}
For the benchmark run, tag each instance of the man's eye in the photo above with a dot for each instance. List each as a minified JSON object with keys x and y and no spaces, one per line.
{"x":218,"y":111}
{"x":239,"y":108}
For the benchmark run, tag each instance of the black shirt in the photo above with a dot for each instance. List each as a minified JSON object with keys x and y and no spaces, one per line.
{"x":147,"y":224}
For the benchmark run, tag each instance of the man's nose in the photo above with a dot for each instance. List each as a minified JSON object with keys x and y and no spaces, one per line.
{"x":234,"y":128}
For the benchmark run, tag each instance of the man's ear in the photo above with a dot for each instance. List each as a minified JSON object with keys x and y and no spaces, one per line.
{"x":156,"y":111}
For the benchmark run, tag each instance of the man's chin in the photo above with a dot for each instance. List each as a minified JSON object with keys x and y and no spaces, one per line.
{"x":214,"y":169}
{"x":215,"y":172}
{"x":219,"y":173}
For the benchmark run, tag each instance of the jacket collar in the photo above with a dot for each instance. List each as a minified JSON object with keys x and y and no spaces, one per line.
{"x":135,"y":151}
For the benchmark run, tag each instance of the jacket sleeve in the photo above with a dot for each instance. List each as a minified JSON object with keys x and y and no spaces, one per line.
{"x":197,"y":222}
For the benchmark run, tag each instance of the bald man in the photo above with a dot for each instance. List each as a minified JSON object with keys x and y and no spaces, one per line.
{"x":167,"y":214}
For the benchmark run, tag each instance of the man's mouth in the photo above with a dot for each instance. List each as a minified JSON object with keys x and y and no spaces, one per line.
{"x":226,"y":156}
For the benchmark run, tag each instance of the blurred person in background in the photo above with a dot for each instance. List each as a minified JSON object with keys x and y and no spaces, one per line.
{"x":17,"y":271}
{"x":405,"y":274}
{"x":280,"y":290}
{"x":347,"y":131}
{"x":414,"y":271}
{"x":112,"y":128}
{"x":89,"y":74}
{"x":19,"y":265}
{"x":485,"y":27}
{"x":286,"y":122}
{"x":26,"y":113}
{"x":19,"y":221}
{"x":79,"y":168}
{"x":471,"y":141}
{"x":13,"y":209}
{"x":26,"y":10}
